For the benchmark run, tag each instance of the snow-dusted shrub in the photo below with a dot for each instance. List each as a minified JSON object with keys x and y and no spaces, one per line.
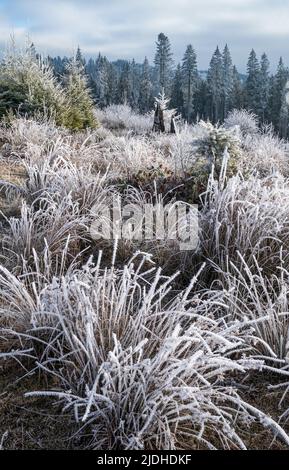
{"x":44,"y":224}
{"x":246,"y":121}
{"x":247,"y":216}
{"x":37,"y":141}
{"x":29,"y":86}
{"x":127,"y":155}
{"x":209,"y":151}
{"x":60,"y":178}
{"x":79,"y":113}
{"x":137,"y":367}
{"x":256,"y":296}
{"x":265,"y":154}
{"x":163,"y":248}
{"x":176,"y":148}
{"x":123,"y":119}
{"x":24,"y":134}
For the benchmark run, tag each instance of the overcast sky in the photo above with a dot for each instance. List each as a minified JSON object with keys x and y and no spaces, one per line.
{"x":128,"y":28}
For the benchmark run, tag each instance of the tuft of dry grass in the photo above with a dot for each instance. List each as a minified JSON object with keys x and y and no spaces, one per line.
{"x":134,"y":357}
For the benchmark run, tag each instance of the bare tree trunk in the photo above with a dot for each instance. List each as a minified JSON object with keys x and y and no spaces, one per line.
{"x":173,"y":124}
{"x":159,"y":125}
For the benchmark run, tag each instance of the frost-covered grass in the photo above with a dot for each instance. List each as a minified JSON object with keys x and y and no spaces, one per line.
{"x":139,"y":367}
{"x":249,"y":216}
{"x":121,"y":118}
{"x":146,"y":346}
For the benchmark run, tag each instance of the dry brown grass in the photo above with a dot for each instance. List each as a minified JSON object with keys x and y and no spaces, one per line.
{"x":29,"y":423}
{"x":11,"y":171}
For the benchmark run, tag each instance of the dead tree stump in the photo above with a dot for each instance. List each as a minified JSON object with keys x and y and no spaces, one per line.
{"x":159,"y":125}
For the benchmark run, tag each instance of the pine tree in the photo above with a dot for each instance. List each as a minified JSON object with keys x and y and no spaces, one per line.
{"x":215,"y":80}
{"x":264,"y":86}
{"x":276,"y":99}
{"x":177,"y":99}
{"x":145,"y":101}
{"x":32,"y":51}
{"x":135,"y":78}
{"x":28,"y":86}
{"x":58,"y":66}
{"x":189,"y":81}
{"x":237,"y":90}
{"x":125,"y":85}
{"x":79,"y":114}
{"x":91,"y":72}
{"x":203,"y":100}
{"x":284,"y":113}
{"x":227,"y":82}
{"x":103,"y":81}
{"x":112,"y":84}
{"x":79,"y":58}
{"x":163,"y":63}
{"x":253,"y":84}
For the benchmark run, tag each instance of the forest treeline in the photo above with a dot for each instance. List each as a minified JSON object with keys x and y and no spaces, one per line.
{"x":206,"y":95}
{"x":194,"y":94}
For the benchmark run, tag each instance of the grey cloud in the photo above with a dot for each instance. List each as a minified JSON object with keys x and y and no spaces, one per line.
{"x":128,"y":28}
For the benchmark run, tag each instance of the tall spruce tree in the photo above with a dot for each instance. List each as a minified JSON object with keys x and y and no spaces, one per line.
{"x":253,"y":84}
{"x":215,"y":80}
{"x":135,"y":78}
{"x":145,"y":101}
{"x":79,"y":58}
{"x":203,"y":100}
{"x":28,"y":86}
{"x":264,"y":87}
{"x":189,"y":81}
{"x":237,"y":90}
{"x":102,"y":79}
{"x":125,"y":85}
{"x":112,"y":83}
{"x":284,"y":113}
{"x":177,"y":99}
{"x":276,"y":99}
{"x":79,"y":114}
{"x":163,"y":63}
{"x":227,"y":82}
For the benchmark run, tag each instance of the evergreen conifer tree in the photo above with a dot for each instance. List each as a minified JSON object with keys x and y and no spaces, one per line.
{"x":79,"y":114}
{"x":253,"y":84}
{"x":189,"y":81}
{"x":163,"y":63}
{"x":145,"y":101}
{"x":215,"y":80}
{"x":227,"y":82}
{"x":28,"y":86}
{"x":264,"y":86}
{"x":177,"y":99}
{"x":237,"y":90}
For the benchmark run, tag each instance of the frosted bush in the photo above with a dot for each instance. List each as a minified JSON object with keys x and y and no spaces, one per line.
{"x":56,"y":212}
{"x":30,"y":85}
{"x":52,"y":225}
{"x":123,"y":118}
{"x":216,"y":155}
{"x":176,"y":147}
{"x":137,"y":367}
{"x":250,"y":216}
{"x":265,"y":154}
{"x":256,"y":296}
{"x":246,"y":121}
{"x":126,"y":155}
{"x":139,"y":362}
{"x":24,"y":133}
